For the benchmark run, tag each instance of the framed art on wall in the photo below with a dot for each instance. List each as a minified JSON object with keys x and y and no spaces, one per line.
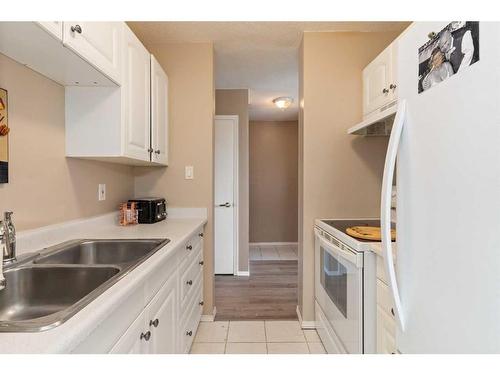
{"x":4,"y":137}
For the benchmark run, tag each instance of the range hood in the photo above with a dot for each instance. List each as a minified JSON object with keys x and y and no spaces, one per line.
{"x":378,"y":123}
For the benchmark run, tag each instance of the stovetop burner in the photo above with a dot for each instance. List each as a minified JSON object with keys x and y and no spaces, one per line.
{"x":342,"y":225}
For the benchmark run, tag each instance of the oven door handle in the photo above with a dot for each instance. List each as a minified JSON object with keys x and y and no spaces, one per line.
{"x":356,"y":259}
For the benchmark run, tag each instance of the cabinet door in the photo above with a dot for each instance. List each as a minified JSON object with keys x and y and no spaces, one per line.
{"x":53,"y":27}
{"x":136,"y":98}
{"x":97,"y":42}
{"x":163,"y":319}
{"x":377,"y":77}
{"x":135,"y":340}
{"x":386,"y":327}
{"x":159,"y":113}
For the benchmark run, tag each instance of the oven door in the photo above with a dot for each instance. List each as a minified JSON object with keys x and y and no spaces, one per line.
{"x":339,"y":291}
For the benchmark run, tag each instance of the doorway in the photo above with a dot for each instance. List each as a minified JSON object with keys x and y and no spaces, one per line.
{"x":226,"y":194}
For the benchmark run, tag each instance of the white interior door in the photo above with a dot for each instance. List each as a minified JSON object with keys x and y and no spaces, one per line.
{"x":226,"y":161}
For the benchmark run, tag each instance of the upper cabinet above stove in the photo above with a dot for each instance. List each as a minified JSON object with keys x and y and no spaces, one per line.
{"x":379,"y":81}
{"x":379,"y":94}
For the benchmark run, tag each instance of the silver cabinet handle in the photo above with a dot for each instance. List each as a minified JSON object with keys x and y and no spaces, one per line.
{"x":392,"y":86}
{"x":154,"y":323}
{"x":190,"y":282}
{"x":146,"y":336}
{"x":150,"y":150}
{"x":189,"y":333}
{"x":201,"y":263}
{"x":385,"y":91}
{"x":201,"y":303}
{"x":189,"y":247}
{"x":76,"y":28}
{"x":227,"y":204}
{"x":200,"y":234}
{"x":157,"y":152}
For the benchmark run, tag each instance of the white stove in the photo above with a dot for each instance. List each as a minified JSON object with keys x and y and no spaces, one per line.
{"x":345,"y":287}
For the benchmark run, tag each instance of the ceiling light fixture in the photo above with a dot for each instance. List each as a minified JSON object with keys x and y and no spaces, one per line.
{"x":283,"y":102}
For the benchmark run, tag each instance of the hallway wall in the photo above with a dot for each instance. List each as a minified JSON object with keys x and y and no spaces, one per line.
{"x":273,"y":181}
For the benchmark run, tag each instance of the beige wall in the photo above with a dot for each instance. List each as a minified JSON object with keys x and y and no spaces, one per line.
{"x":273,"y":181}
{"x":44,"y":187}
{"x":189,"y":67}
{"x":341,"y":174}
{"x":235,"y":102}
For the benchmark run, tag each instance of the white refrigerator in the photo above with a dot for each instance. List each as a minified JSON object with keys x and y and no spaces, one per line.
{"x":445,"y":147}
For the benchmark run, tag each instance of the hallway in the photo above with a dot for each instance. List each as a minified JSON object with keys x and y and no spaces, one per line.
{"x":269,"y":293}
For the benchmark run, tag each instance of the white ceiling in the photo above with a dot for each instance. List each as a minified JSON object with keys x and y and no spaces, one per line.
{"x":260,"y":56}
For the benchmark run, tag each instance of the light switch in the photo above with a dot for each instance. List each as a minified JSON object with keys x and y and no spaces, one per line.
{"x":101,"y":192}
{"x":189,"y":173}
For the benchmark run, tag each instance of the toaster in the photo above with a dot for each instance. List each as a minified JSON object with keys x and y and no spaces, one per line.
{"x":150,"y":210}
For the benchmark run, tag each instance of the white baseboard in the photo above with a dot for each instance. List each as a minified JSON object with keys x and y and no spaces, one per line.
{"x":209,"y":318}
{"x":305,"y":324}
{"x":272,"y":243}
{"x":243,"y":273}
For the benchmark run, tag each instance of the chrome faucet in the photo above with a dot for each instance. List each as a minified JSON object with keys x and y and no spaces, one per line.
{"x":8,"y":238}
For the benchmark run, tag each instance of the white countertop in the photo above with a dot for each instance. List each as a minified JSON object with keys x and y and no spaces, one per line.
{"x":377,"y":249}
{"x":178,"y":228}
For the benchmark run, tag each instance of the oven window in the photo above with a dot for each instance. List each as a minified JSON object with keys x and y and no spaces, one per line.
{"x":334,"y":280}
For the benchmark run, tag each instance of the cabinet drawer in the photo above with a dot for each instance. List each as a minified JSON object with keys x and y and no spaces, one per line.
{"x":190,"y":250}
{"x":384,"y":299}
{"x":381,"y":274}
{"x":190,"y":327}
{"x":190,"y":280}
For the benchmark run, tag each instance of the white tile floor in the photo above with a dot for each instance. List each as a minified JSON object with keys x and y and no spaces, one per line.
{"x":256,"y":337}
{"x":273,"y":252}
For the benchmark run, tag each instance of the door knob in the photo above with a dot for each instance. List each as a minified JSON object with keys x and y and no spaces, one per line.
{"x":227,"y":204}
{"x":76,"y":28}
{"x":146,"y":336}
{"x":154,"y":323}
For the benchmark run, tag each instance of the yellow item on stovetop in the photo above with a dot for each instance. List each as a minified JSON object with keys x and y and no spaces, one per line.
{"x":368,"y":233}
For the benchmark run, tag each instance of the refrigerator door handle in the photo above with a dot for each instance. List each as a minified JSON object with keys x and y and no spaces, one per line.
{"x":385,"y":217}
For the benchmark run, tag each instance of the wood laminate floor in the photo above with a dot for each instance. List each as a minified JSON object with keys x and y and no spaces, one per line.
{"x":270,"y":293}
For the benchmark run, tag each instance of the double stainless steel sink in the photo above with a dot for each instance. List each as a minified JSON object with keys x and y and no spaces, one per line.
{"x":47,"y":288}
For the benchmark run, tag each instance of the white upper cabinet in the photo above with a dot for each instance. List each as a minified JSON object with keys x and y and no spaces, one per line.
{"x":126,"y":124}
{"x":39,"y":46}
{"x":97,"y":42}
{"x":159,"y":113}
{"x":53,"y":27}
{"x":379,"y":85}
{"x":136,"y":100}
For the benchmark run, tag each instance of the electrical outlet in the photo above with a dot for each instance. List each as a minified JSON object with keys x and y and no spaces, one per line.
{"x":101,"y":192}
{"x":189,"y":172}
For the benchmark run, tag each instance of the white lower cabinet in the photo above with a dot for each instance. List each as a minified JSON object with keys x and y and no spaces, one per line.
{"x":132,"y":341}
{"x":169,"y":322}
{"x":386,"y":323}
{"x":162,"y":319}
